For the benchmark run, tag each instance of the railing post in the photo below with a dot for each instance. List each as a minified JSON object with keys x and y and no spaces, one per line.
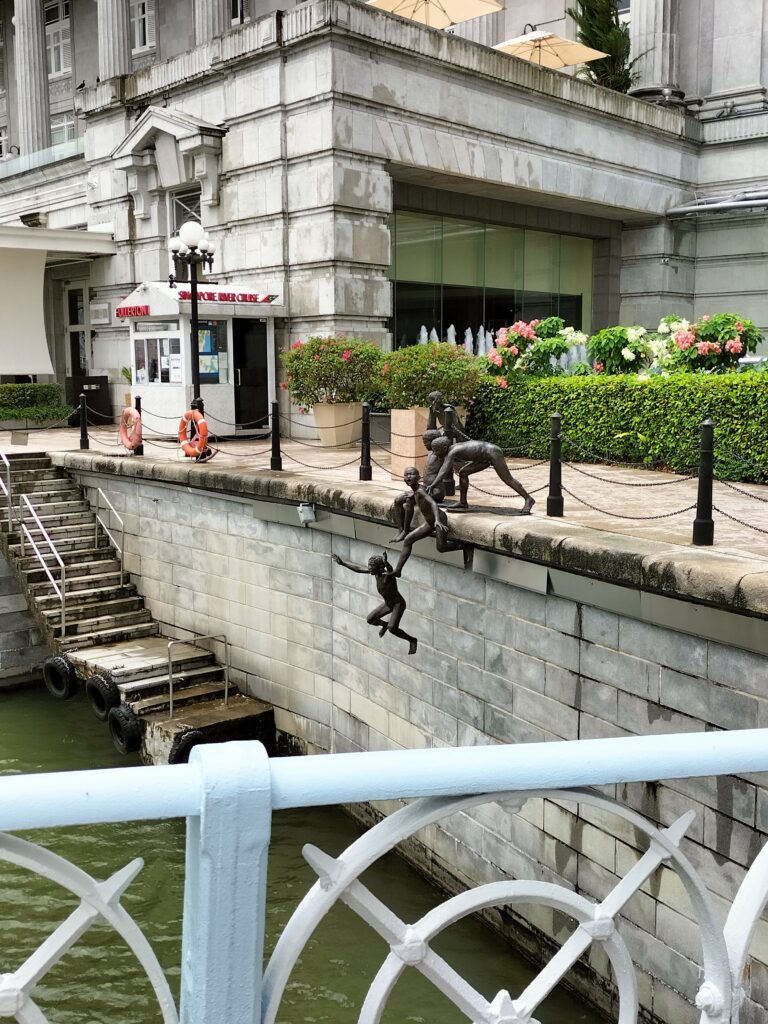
{"x":366,"y":470}
{"x":139,"y":449}
{"x":555,"y":496}
{"x":84,"y":442}
{"x":276,"y":461}
{"x":225,"y":885}
{"x":704,"y":524}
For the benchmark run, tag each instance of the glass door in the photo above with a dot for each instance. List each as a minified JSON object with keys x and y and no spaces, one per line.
{"x":251,"y":377}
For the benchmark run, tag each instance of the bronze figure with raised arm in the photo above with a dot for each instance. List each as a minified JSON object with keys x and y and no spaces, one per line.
{"x":473,"y":457}
{"x":393,"y":601}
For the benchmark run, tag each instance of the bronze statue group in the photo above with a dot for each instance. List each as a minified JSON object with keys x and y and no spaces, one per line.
{"x":449,"y":450}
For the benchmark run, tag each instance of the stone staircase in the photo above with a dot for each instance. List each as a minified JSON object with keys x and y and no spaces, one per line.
{"x":109,"y":640}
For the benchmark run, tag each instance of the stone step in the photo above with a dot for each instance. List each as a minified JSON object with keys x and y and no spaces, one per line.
{"x":137,"y":688}
{"x":84,"y":610}
{"x":89,"y":641}
{"x":80,"y":570}
{"x":63,"y":531}
{"x":90,"y":582}
{"x":63,"y":520}
{"x":140,"y":660}
{"x":18,"y":457}
{"x":181,"y":696}
{"x":99,"y":623}
{"x":64,"y":544}
{"x":62,"y":507}
{"x":85,"y":596}
{"x":34,"y":473}
{"x":42,"y":485}
{"x":84,"y":552}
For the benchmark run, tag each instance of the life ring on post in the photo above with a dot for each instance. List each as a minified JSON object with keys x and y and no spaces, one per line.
{"x":130,"y":429}
{"x":196,"y":446}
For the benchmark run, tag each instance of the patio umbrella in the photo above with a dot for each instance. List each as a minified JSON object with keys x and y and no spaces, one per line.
{"x":549,"y":50}
{"x":437,"y":13}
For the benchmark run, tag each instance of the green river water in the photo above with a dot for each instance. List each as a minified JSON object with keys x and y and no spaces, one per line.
{"x":99,"y":982}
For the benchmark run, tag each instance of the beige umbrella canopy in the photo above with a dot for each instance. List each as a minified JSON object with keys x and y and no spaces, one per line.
{"x":549,"y":50}
{"x":437,"y":13}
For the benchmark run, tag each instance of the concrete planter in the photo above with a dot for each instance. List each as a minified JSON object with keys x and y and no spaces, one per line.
{"x":406,"y":445}
{"x":28,"y":424}
{"x":338,"y":423}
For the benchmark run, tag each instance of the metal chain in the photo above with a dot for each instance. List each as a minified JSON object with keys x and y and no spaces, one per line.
{"x":628,"y":483}
{"x":309,"y":444}
{"x":508,"y":494}
{"x":738,"y":458}
{"x":310,"y":465}
{"x":227,"y":423}
{"x":616,"y":515}
{"x":741,"y":522}
{"x":609,"y":462}
{"x":109,"y":444}
{"x":733,"y":487}
{"x":156,"y":415}
{"x":32,"y":430}
{"x":298,"y":423}
{"x":95,"y":412}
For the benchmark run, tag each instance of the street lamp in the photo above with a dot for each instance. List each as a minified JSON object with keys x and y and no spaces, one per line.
{"x":192,"y":249}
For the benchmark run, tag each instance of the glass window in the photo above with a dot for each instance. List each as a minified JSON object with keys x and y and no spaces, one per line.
{"x":142,"y":25}
{"x":2,"y":57}
{"x":541,"y":275}
{"x":212,"y":351}
{"x":62,"y":128}
{"x":504,"y":252}
{"x":3,"y":141}
{"x":576,"y":281}
{"x":58,"y":44}
{"x":76,"y":307}
{"x":157,"y":360}
{"x":185,"y":205}
{"x":417,"y":266}
{"x":238,"y":11}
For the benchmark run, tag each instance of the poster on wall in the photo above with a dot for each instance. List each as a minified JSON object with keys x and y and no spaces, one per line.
{"x":99,"y":314}
{"x":175,"y":369}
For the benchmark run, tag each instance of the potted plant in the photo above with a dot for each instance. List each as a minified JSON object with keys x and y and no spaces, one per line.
{"x":125,"y":373}
{"x":332,"y":376}
{"x":409,"y":376}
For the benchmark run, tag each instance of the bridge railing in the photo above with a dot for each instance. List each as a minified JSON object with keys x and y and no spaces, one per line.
{"x":228,"y":793}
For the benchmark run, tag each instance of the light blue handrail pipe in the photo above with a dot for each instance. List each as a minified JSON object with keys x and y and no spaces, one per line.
{"x":228,"y":793}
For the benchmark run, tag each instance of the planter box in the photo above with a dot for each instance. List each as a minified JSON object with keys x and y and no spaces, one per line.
{"x":338,"y":423}
{"x":406,"y":445}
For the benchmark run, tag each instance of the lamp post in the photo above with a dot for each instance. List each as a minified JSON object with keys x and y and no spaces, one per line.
{"x":192,"y":249}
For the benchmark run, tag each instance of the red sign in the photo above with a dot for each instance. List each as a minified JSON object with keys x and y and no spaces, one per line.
{"x":124,"y":311}
{"x":205,"y":296}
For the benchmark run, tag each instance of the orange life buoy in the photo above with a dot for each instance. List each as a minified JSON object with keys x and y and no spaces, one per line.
{"x":193,"y":446}
{"x":130,"y":429}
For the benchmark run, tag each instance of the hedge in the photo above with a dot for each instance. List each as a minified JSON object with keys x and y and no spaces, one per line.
{"x":35,"y":402}
{"x":622,"y":418}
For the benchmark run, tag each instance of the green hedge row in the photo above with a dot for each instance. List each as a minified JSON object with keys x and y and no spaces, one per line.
{"x":35,"y":402}
{"x":655,"y":421}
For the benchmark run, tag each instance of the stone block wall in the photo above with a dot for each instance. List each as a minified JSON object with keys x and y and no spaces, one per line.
{"x":509,"y":652}
{"x":21,"y":648}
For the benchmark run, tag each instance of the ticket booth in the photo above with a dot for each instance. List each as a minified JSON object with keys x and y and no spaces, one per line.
{"x":235,"y":351}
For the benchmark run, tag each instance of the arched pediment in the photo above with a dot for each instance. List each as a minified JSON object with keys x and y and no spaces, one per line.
{"x":167,"y":148}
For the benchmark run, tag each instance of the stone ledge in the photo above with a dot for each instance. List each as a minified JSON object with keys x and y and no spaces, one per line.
{"x":697,"y":575}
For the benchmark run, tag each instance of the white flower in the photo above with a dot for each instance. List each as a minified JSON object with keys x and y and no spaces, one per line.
{"x":628,"y":354}
{"x":663,"y":328}
{"x":573,"y":337}
{"x":635,"y":334}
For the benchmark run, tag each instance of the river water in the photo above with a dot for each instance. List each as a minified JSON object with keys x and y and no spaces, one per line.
{"x":99,"y":982}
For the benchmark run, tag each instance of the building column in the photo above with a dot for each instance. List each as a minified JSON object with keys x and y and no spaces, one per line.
{"x":114,"y":38}
{"x":31,"y":77}
{"x":737,"y":57}
{"x":653,"y":29}
{"x":211,"y":19}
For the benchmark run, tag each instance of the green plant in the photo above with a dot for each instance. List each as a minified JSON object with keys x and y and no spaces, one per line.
{"x":627,"y":418}
{"x":714,"y":343}
{"x":599,"y":27}
{"x":337,"y":369}
{"x":35,"y":402}
{"x":619,"y":349}
{"x":125,"y":373}
{"x":410,"y":374}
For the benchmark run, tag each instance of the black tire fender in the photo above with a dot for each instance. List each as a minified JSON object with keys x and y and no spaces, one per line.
{"x":182,"y":745}
{"x":124,"y":728}
{"x":60,"y":677}
{"x":102,"y":694}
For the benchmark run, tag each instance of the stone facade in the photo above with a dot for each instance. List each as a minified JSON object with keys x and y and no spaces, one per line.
{"x":22,"y":650}
{"x":548,"y":637}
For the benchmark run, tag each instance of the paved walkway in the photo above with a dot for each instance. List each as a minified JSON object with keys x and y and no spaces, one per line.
{"x":632,"y":502}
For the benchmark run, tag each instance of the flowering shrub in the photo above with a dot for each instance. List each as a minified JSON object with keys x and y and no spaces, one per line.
{"x":714,"y":343}
{"x":619,"y":349}
{"x":532,"y":348}
{"x":411,"y":373}
{"x":336,"y":369}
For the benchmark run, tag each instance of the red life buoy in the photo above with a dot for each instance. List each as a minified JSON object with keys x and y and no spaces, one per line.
{"x":130,"y":429}
{"x":195,"y":446}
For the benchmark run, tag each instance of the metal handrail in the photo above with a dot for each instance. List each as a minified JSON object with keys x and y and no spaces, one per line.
{"x":6,"y":487}
{"x":120,"y":548}
{"x":205,"y":636}
{"x":61,"y":593}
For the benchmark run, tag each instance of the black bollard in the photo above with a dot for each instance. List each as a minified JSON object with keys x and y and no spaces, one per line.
{"x":366,"y":470}
{"x":276,"y":462}
{"x":704,"y":524}
{"x":139,"y":449}
{"x":84,"y":442}
{"x":555,"y":496}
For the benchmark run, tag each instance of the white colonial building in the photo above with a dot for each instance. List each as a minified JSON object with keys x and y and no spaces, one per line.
{"x":360,"y":173}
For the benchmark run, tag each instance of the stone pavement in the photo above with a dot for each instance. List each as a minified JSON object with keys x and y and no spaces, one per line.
{"x":632,"y":502}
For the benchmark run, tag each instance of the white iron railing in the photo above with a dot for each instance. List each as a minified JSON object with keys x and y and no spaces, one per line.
{"x":5,"y":487}
{"x":228,"y":792}
{"x":196,"y":639}
{"x":25,"y":505}
{"x":120,"y":548}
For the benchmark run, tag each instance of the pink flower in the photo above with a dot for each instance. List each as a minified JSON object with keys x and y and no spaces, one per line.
{"x":739,"y":326}
{"x":283,"y":386}
{"x":598,"y":367}
{"x":514,"y":350}
{"x":385,"y":368}
{"x":705,"y":318}
{"x":684,"y":339}
{"x":502,"y":382}
{"x":317,"y":358}
{"x":734,"y":346}
{"x":345,"y":355}
{"x":705,"y":348}
{"x":495,"y":357}
{"x":501,"y":337}
{"x":296,"y":344}
{"x":535,"y":323}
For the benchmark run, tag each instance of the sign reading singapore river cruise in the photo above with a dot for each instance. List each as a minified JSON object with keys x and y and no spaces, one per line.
{"x":160,"y":299}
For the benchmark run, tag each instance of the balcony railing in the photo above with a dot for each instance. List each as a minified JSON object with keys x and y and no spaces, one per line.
{"x":41,"y":158}
{"x":228,"y":793}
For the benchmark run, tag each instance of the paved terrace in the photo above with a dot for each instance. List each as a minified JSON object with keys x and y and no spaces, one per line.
{"x":625,"y":527}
